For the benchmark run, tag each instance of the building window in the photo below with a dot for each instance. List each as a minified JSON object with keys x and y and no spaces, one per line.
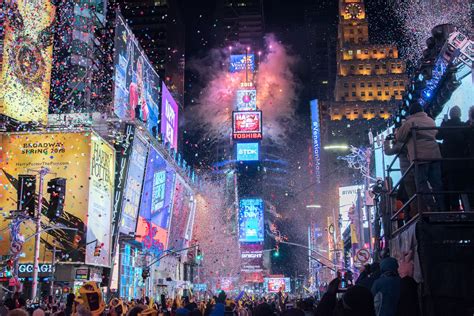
{"x":393,"y":66}
{"x":399,"y":66}
{"x":386,"y":83}
{"x":367,"y":67}
{"x":379,"y":84}
{"x":359,"y":52}
{"x":375,"y":51}
{"x":382,"y":111}
{"x":364,"y":111}
{"x":366,"y":52}
{"x":353,"y":93}
{"x":346,"y":94}
{"x":371,"y":94}
{"x":362,"y":94}
{"x":390,"y":52}
{"x":379,"y":93}
{"x":387,"y":92}
{"x":352,"y":67}
{"x":346,"y":85}
{"x":401,"y":83}
{"x":353,"y":85}
{"x":377,"y":66}
{"x":395,"y":92}
{"x":372,"y":111}
{"x":362,"y":84}
{"x":369,"y":85}
{"x":350,"y":52}
{"x":361,"y":67}
{"x":384,"y":66}
{"x":395,"y":83}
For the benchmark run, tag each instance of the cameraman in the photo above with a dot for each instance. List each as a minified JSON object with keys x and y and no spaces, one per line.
{"x":391,"y":147}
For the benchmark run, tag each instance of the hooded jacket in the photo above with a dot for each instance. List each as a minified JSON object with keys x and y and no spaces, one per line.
{"x":386,"y":289}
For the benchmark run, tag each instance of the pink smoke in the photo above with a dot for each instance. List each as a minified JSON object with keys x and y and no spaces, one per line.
{"x":274,"y":81}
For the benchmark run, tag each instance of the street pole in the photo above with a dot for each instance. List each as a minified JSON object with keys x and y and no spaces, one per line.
{"x":44,"y":171}
{"x":53,"y":270}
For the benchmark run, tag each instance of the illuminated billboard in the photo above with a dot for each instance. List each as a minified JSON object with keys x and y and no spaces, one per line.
{"x":247,"y":151}
{"x":87,"y":163}
{"x":182,"y":211}
{"x":246,"y":100}
{"x":247,"y":125}
{"x":26,"y":60}
{"x":316,"y":132}
{"x":133,"y":186}
{"x":169,"y":118}
{"x":137,"y":85}
{"x":273,"y":285}
{"x":251,"y":220}
{"x":101,"y":193}
{"x":251,"y":256}
{"x":156,"y":202}
{"x":239,"y":63}
{"x":348,"y":199}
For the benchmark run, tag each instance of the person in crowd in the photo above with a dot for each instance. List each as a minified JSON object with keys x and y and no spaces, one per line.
{"x":423,"y":148}
{"x":393,"y":146}
{"x":469,"y":174}
{"x":356,"y":301}
{"x":328,"y":302}
{"x":264,"y":309}
{"x":386,"y":289}
{"x":369,"y":274}
{"x":453,"y":146}
{"x":189,"y":303}
{"x":219,"y":307}
{"x":408,"y":303}
{"x":18,"y":312}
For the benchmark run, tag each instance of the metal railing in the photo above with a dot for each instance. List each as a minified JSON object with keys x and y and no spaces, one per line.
{"x":418,"y":195}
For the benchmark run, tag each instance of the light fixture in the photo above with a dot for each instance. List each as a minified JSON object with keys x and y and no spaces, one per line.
{"x":336,"y":147}
{"x":313,"y":206}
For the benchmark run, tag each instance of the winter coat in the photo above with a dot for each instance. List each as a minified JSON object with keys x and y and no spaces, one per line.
{"x":396,"y":149}
{"x":408,"y":304}
{"x":454,"y":143}
{"x":386,"y":289}
{"x":426,"y":145}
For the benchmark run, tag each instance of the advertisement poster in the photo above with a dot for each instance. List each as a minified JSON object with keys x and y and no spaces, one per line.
{"x":273,"y":285}
{"x":247,"y":125}
{"x":137,"y":85}
{"x":347,"y":201}
{"x":246,"y":100}
{"x":316,"y":132}
{"x":251,"y":220}
{"x":27,"y":60}
{"x":101,"y":193}
{"x":239,"y":63}
{"x":251,"y":257}
{"x":182,"y":208}
{"x":247,"y":151}
{"x":67,"y":155}
{"x":169,"y":118}
{"x":156,"y":203}
{"x":133,"y":186}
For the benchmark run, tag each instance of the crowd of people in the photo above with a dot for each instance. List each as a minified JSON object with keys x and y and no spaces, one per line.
{"x":454,"y":140}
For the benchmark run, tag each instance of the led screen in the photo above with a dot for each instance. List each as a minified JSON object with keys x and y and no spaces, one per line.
{"x":347,"y":199}
{"x":247,"y":151}
{"x":246,"y":100}
{"x":247,"y":125}
{"x":251,"y":256}
{"x":241,"y":62}
{"x":137,"y":85}
{"x":156,"y":202}
{"x":182,"y":210}
{"x":26,"y":59}
{"x":169,"y":118}
{"x":273,"y":285}
{"x":316,"y":132}
{"x":251,"y":220}
{"x":133,"y":186}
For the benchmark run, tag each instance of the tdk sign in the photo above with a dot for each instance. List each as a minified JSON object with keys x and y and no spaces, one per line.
{"x":247,"y":151}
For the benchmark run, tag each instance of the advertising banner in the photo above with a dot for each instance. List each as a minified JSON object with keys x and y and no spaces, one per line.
{"x":239,"y":63}
{"x":316,"y":132}
{"x":101,"y":192}
{"x":156,"y":203}
{"x":251,"y":257}
{"x":247,"y":151}
{"x":27,"y":60}
{"x":347,"y":202}
{"x":247,"y":125}
{"x":246,"y":100}
{"x":133,"y":185}
{"x":137,"y":85}
{"x":182,"y":207}
{"x":273,"y":285}
{"x":251,"y":220}
{"x":169,"y":118}
{"x":66,"y":155}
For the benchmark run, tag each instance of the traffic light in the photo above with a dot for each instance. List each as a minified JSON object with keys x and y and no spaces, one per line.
{"x":276,"y":254}
{"x":26,"y":194}
{"x":145,"y":273}
{"x":198,"y":256}
{"x":97,"y":249}
{"x":57,"y":191}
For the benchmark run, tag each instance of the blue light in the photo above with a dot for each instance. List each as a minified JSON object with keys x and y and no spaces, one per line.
{"x":247,"y":151}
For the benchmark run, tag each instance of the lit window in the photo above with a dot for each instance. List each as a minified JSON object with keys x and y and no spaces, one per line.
{"x":359,"y":52}
{"x":350,"y":52}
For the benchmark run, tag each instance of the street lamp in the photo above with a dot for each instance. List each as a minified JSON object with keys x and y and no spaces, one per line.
{"x":313,"y":206}
{"x":337,"y":147}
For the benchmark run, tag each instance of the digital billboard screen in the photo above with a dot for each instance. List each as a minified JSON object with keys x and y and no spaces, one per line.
{"x":273,"y":285}
{"x":316,"y":132}
{"x":156,"y":202}
{"x":239,"y":63}
{"x":180,"y":219}
{"x":347,"y":199}
{"x":247,"y":125}
{"x":26,"y":58}
{"x":251,"y":256}
{"x":137,"y":85}
{"x":247,"y":151}
{"x":251,"y":220}
{"x":133,"y":185}
{"x":169,"y":118}
{"x":246,"y":100}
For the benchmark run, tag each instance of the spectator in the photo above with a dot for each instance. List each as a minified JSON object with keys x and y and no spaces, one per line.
{"x":386,"y":289}
{"x":469,"y":174}
{"x":18,"y":312}
{"x":393,"y":146}
{"x":408,"y":303}
{"x":453,"y":147}
{"x":422,"y":148}
{"x":356,"y":301}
